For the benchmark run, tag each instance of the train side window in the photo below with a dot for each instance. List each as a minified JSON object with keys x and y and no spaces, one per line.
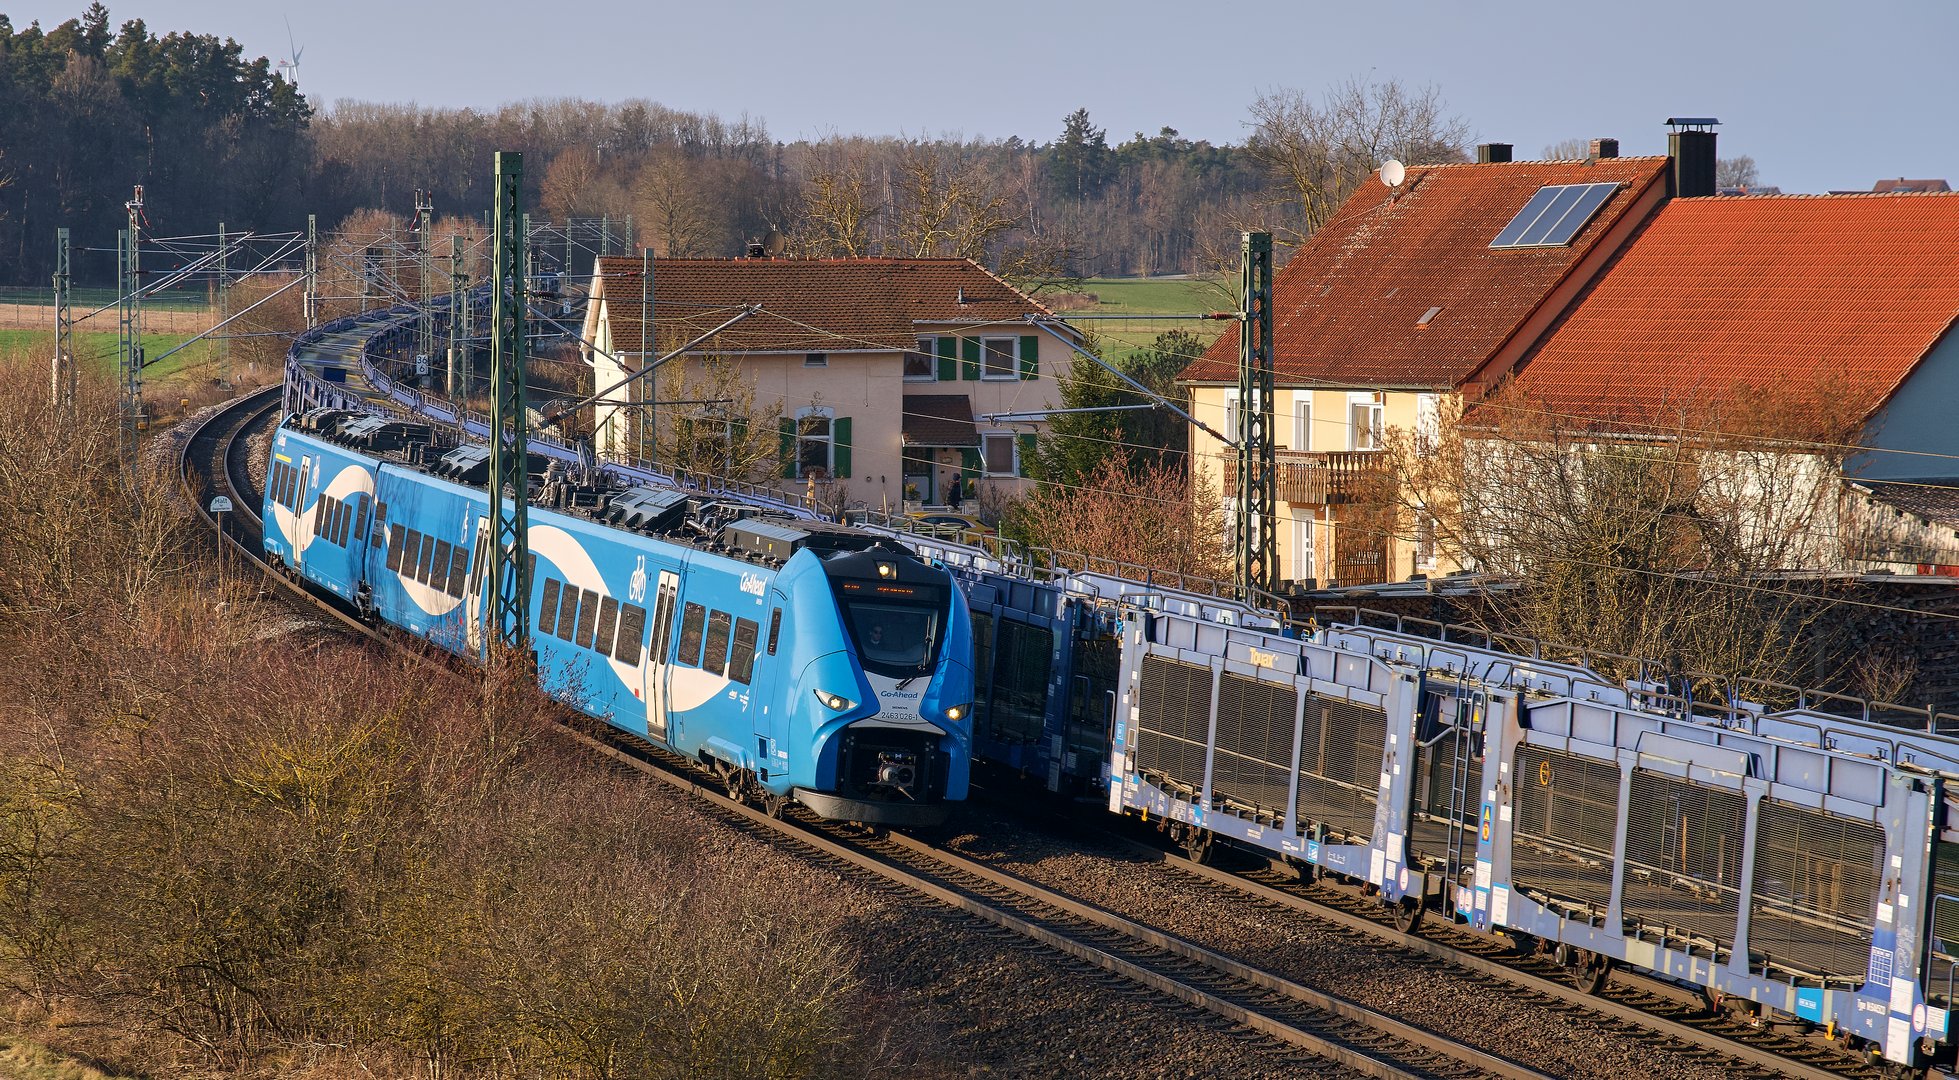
{"x":349,"y":515}
{"x":320,"y":511}
{"x":458,"y":571}
{"x":588,"y":616}
{"x":608,"y":622}
{"x":547,"y":611}
{"x":775,"y":629}
{"x":411,"y":554}
{"x":632,"y":626}
{"x":439,"y":566}
{"x":278,"y":483}
{"x":397,"y":541}
{"x":380,"y":524}
{"x":568,"y":613}
{"x":337,"y":531}
{"x":715,"y":659}
{"x":741,"y":663}
{"x":427,"y":557}
{"x":690,"y":634}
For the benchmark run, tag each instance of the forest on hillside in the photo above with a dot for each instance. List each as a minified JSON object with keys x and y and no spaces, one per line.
{"x":88,"y":110}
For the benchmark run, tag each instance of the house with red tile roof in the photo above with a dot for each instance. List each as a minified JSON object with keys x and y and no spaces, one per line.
{"x":889,"y":371}
{"x":1844,"y":302}
{"x":1396,"y":302}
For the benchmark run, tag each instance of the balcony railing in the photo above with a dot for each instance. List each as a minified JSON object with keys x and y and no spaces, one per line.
{"x":1309,"y":478}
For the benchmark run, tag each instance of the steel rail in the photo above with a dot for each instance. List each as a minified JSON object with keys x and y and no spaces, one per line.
{"x":1754,"y":1056}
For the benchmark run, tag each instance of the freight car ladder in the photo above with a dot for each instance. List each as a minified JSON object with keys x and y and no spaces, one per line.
{"x":1461,"y":785}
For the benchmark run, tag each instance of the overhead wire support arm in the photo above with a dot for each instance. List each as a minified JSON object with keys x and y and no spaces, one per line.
{"x":1058,"y":330}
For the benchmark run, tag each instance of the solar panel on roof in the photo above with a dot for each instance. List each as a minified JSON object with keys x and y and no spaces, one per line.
{"x":1554,"y":215}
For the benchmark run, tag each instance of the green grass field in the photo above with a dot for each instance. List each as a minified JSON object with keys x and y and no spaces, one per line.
{"x":1150,"y":296}
{"x":85,"y":300}
{"x":97,"y":350}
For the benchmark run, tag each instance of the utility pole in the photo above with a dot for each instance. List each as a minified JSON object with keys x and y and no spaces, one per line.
{"x":648,"y":429}
{"x":1257,"y":531}
{"x":62,"y":390}
{"x":130,"y":352}
{"x":312,"y":271}
{"x":509,"y":426}
{"x":224,"y":310}
{"x":605,"y":235}
{"x":458,"y":322}
{"x":425,"y":269}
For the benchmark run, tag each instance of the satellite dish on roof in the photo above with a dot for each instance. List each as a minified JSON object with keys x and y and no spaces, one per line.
{"x":775,"y":244}
{"x":1393,"y":173}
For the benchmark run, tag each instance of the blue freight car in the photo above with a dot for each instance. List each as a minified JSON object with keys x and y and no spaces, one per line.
{"x":1802,"y":863}
{"x":796,"y":660}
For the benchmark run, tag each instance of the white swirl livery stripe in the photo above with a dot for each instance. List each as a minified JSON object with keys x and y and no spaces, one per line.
{"x":576,"y":568}
{"x":298,"y":526}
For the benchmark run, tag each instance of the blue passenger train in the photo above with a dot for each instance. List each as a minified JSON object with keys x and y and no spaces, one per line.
{"x":796,"y":660}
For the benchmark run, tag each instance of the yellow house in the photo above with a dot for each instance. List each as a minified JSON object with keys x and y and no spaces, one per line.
{"x":1382,"y":317}
{"x":898,"y":378}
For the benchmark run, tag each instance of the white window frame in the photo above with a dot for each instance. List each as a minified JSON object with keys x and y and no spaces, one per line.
{"x":1231,"y":415}
{"x":1013,"y":453}
{"x":1428,"y":423}
{"x":816,"y":359}
{"x":1302,"y":421}
{"x":1303,"y":554}
{"x":928,"y":347}
{"x":1375,"y":410}
{"x":828,"y":438}
{"x":1013,"y":359}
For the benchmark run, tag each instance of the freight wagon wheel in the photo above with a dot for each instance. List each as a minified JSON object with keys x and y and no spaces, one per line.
{"x":773,"y":804}
{"x":1589,"y":971}
{"x":1197,"y":845}
{"x":1408,"y":913}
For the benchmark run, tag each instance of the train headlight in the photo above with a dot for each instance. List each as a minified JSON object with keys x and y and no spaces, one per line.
{"x":834,"y":702}
{"x":958,"y":712}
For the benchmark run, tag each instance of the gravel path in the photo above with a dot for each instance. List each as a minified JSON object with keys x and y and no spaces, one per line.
{"x":1319,"y":955}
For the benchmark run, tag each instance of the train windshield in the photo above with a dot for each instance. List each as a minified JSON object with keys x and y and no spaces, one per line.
{"x":894,"y":635}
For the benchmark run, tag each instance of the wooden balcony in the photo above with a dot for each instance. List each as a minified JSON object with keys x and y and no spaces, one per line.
{"x":1307,"y":478}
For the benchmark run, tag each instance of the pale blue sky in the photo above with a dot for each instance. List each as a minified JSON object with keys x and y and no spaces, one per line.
{"x":1823,"y":95}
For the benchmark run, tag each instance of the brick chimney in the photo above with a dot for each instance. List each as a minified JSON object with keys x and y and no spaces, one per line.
{"x":1489,"y":152}
{"x":1691,"y":146}
{"x":1605,"y":148}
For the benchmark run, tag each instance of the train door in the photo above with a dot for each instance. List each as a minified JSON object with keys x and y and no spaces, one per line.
{"x":658,"y":648}
{"x":299,"y":537}
{"x":479,"y":576}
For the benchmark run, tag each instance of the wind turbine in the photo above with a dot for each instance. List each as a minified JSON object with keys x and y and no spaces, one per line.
{"x":293,"y":53}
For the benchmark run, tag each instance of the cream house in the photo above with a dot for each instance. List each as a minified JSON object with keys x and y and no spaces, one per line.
{"x":1381,"y":318}
{"x":898,"y":378}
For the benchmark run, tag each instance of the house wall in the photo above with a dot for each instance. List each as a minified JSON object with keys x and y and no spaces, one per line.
{"x":1919,"y":418}
{"x":1329,"y":429}
{"x":867,"y":388}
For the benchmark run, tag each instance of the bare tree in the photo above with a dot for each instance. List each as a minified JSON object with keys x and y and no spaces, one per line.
{"x":946,"y":203}
{"x":839,"y":209}
{"x":569,"y":182}
{"x":1651,"y":541}
{"x":1568,"y":150}
{"x":717,"y":429}
{"x":678,"y":217}
{"x":1737,"y":172}
{"x":1322,"y":150}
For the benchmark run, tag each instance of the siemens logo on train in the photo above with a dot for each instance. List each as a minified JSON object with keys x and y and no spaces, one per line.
{"x":796,"y":660}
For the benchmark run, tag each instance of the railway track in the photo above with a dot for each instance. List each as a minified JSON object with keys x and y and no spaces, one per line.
{"x":1635,"y":1005}
{"x":1332,"y":1032}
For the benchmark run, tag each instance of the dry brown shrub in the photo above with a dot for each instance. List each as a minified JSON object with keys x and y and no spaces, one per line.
{"x":231,"y":849}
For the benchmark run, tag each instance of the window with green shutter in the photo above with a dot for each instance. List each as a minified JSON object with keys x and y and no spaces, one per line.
{"x":1030,"y":356}
{"x":840,"y":453}
{"x":948,"y":359}
{"x":969,"y":358}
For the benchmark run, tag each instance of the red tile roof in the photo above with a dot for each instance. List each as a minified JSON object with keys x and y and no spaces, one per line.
{"x":808,"y":305}
{"x":1844,"y":292}
{"x":1347,"y":309}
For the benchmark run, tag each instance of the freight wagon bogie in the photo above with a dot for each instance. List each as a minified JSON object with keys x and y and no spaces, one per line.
{"x":1803,"y":864}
